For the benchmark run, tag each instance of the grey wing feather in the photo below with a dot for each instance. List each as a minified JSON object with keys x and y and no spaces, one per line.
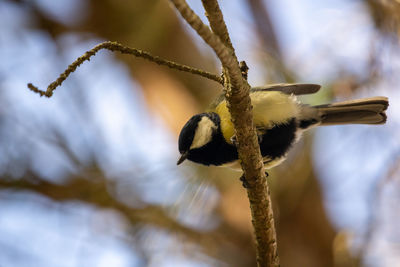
{"x":295,"y":88}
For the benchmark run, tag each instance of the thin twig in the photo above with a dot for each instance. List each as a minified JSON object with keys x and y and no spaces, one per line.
{"x":223,"y":53}
{"x":114,"y":46}
{"x":237,"y":95}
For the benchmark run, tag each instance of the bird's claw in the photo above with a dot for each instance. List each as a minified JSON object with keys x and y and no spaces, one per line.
{"x":244,"y":181}
{"x":234,"y":140}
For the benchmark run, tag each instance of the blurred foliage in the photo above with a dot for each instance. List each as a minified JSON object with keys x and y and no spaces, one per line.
{"x":306,"y":236}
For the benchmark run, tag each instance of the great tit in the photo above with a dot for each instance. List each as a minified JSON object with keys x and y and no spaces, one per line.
{"x":279,"y":119}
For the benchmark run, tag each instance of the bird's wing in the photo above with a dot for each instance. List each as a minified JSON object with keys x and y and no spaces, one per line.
{"x":294,"y":88}
{"x":286,"y":88}
{"x":269,"y":108}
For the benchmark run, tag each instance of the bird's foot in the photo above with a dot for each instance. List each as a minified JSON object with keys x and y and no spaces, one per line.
{"x":234,"y":140}
{"x":244,"y":69}
{"x":244,"y":181}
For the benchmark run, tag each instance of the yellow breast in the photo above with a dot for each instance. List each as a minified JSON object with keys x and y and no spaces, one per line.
{"x":269,"y":108}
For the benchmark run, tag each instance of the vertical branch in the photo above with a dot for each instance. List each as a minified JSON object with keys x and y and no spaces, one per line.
{"x":239,"y":103}
{"x":217,"y":23}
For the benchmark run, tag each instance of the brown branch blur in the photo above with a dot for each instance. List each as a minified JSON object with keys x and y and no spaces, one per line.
{"x":267,"y":36}
{"x":265,"y":29}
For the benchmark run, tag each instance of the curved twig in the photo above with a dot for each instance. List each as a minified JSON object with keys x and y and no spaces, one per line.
{"x":114,"y":46}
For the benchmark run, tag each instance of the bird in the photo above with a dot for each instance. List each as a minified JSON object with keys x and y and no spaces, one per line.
{"x":279,"y":119}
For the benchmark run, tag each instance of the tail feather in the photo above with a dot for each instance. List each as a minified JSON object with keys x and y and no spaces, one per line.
{"x":361,"y":111}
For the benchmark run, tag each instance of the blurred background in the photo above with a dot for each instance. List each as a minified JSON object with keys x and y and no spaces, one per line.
{"x":89,"y":176}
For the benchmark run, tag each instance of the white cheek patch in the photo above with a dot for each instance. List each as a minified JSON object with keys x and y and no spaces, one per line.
{"x":203,"y":132}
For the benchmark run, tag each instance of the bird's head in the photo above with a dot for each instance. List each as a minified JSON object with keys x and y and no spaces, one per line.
{"x":197,"y":133}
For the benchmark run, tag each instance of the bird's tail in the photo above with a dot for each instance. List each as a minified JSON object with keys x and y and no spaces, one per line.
{"x":361,"y":111}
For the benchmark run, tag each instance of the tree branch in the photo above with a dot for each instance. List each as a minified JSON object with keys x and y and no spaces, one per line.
{"x":239,"y":103}
{"x":114,"y":46}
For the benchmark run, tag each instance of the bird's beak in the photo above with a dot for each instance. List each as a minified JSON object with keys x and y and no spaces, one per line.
{"x":183,"y":157}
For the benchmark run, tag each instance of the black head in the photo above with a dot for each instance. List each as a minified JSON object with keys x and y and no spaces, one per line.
{"x":196,"y":133}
